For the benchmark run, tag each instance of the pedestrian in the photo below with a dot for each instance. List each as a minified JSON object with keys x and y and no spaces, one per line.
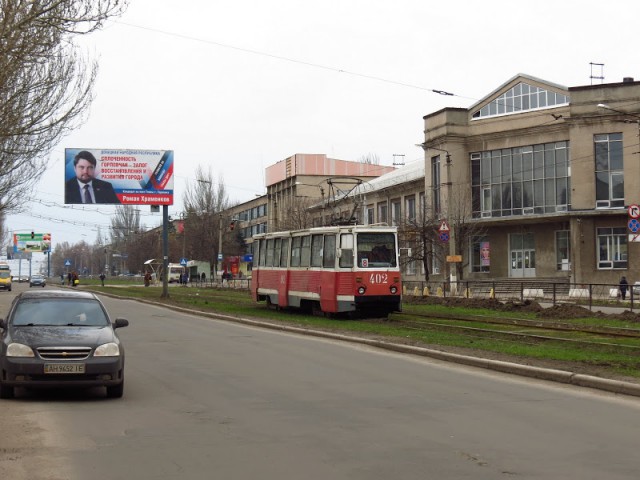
{"x":69,"y":278}
{"x":147,"y":279}
{"x":624,"y":285}
{"x":102,"y":277}
{"x":62,"y":279}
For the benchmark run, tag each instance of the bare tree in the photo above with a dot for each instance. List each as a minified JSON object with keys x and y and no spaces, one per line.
{"x":463,"y":228}
{"x":45,"y":83}
{"x":204,"y":201}
{"x":298,"y":215}
{"x":370,"y":158}
{"x":125,"y":229}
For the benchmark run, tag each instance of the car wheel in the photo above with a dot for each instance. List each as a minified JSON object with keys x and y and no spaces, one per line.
{"x":116,"y":391}
{"x":6,"y":391}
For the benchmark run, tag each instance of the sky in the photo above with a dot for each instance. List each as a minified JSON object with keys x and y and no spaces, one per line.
{"x":238,"y":86}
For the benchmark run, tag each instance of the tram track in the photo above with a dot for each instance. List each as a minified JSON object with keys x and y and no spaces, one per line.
{"x":500,"y":327}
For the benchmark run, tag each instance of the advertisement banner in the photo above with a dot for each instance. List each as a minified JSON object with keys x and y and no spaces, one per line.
{"x":127,"y":177}
{"x":31,"y":242}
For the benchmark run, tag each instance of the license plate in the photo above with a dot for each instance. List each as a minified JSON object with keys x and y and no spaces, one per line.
{"x":64,"y":368}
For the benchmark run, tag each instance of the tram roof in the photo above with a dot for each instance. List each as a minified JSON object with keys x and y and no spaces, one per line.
{"x":329,"y":229}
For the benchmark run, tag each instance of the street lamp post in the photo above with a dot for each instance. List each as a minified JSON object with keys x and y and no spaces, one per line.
{"x":451,"y":270}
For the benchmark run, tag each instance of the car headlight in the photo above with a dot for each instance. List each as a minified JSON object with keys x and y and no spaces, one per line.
{"x":19,"y":350}
{"x":107,"y":350}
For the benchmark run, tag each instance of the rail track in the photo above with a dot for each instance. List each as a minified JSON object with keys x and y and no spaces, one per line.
{"x":522,"y":330}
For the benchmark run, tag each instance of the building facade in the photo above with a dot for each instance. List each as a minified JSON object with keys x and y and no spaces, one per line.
{"x":547,"y":175}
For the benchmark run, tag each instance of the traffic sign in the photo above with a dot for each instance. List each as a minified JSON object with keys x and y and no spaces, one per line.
{"x":444,"y":237}
{"x":444,"y":226}
{"x":67,"y":263}
{"x":183,"y":262}
{"x":634,"y":211}
{"x":634,"y":225}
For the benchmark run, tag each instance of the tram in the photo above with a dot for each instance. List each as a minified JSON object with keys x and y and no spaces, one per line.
{"x":339,"y":269}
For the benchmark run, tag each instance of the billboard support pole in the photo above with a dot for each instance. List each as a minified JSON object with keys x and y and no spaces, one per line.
{"x":165,"y":251}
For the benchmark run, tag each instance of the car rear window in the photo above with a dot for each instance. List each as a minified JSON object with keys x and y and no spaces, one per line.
{"x":59,"y":312}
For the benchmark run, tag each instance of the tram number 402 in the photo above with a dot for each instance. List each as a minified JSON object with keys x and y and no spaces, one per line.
{"x":375,"y":278}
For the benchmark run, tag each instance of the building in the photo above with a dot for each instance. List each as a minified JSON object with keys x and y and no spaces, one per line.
{"x":547,"y":175}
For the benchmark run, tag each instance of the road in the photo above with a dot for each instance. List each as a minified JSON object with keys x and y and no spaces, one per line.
{"x":209,"y":399}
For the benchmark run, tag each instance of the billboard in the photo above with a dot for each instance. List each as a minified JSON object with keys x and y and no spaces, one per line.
{"x":127,"y":177}
{"x":31,"y":242}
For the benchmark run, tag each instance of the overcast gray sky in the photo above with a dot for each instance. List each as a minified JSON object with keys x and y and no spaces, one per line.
{"x":242,"y":85}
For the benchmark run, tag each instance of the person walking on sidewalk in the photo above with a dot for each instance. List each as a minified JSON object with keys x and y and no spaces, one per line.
{"x":624,"y":285}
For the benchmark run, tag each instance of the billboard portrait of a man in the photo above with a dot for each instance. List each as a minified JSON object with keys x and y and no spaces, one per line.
{"x":84,"y":187}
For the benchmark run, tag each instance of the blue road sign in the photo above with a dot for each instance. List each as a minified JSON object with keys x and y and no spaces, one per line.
{"x":444,"y":236}
{"x":634,"y":225}
{"x":67,"y":263}
{"x":183,"y":262}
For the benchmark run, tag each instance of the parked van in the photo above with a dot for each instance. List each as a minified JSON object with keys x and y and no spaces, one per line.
{"x":5,"y":276}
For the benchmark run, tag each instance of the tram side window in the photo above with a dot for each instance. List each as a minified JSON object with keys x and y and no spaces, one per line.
{"x":263,"y":253}
{"x":284,"y":252}
{"x":305,"y":253}
{"x":296,"y":242}
{"x":269,"y":262}
{"x":276,"y":252}
{"x":346,"y":250}
{"x":329,"y":252}
{"x":316,"y":251}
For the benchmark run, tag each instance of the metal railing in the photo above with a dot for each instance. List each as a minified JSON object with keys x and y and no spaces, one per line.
{"x":587,"y":295}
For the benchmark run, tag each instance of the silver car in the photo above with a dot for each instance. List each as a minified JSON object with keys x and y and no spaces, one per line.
{"x":37,"y":281}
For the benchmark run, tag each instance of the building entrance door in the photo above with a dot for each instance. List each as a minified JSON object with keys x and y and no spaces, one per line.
{"x":523,"y":255}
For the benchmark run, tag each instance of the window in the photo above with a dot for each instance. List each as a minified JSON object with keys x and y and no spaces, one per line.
{"x":395,"y":212}
{"x":609,"y":170}
{"x":284,"y":252}
{"x":435,"y":185}
{"x":563,"y":250}
{"x":296,"y":244}
{"x":410,"y":208}
{"x":370,"y":220}
{"x":521,"y":98}
{"x":612,"y":248}
{"x":329,"y":252}
{"x":480,"y":254}
{"x":346,"y":250}
{"x":305,"y":251}
{"x":521,"y":181}
{"x":382,"y":212}
{"x":316,"y":251}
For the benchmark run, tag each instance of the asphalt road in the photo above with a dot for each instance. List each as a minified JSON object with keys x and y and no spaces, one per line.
{"x":210,"y":399}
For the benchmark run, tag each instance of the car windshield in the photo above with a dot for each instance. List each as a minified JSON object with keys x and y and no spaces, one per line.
{"x":376,"y":250}
{"x":59,"y":312}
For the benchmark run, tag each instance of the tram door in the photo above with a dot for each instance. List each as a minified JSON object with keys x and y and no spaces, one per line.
{"x":523,"y":255}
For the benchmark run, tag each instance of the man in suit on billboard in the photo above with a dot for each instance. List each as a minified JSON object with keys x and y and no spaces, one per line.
{"x":85,"y":188}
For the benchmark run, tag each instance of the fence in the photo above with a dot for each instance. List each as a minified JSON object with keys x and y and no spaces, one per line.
{"x":592,"y":294}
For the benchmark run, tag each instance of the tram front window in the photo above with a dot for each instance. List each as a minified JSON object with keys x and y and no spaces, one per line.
{"x":376,"y":250}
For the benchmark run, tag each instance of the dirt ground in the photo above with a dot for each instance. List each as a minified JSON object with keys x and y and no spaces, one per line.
{"x":559,"y":311}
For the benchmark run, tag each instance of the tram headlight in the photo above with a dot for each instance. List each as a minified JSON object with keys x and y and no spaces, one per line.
{"x":393,"y":289}
{"x":362,"y":289}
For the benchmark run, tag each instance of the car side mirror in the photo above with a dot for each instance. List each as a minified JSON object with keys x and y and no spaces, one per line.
{"x":121,"y":322}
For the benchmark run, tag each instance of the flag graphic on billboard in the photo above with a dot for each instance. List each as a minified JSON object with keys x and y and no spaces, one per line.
{"x":127,"y":177}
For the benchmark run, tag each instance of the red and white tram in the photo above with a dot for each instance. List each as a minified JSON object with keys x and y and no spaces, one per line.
{"x":329,"y":269}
